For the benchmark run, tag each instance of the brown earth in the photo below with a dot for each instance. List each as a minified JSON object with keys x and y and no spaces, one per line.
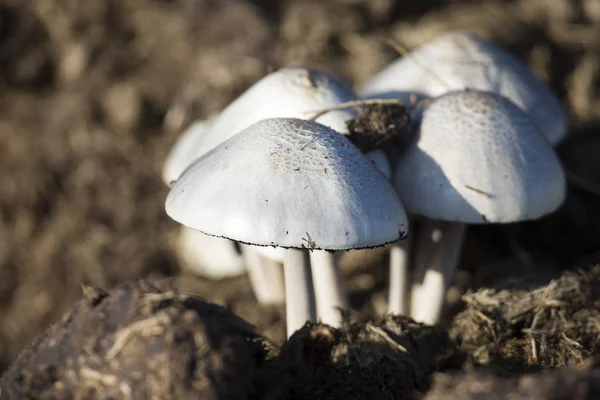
{"x":550,"y":385}
{"x":139,"y":342}
{"x":85,"y":90}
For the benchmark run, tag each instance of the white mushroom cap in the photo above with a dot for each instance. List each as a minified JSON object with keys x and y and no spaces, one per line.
{"x":289,"y":93}
{"x":477,"y":158}
{"x":184,"y":151}
{"x":289,"y":183}
{"x":459,"y":61}
{"x":377,"y":158}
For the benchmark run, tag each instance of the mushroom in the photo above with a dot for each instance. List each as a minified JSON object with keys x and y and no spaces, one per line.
{"x":324,"y":269}
{"x":459,"y":61}
{"x":477,"y":159}
{"x":325,"y":273}
{"x":293,"y":184}
{"x":288,"y":92}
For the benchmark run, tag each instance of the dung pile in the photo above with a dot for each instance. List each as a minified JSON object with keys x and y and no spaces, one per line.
{"x":139,"y":342}
{"x":515,"y":329}
{"x":391,"y":357}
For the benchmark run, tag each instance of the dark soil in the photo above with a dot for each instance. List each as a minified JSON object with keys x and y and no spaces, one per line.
{"x":392,"y":355}
{"x":94,"y":92}
{"x":553,"y":385}
{"x":139,"y":342}
{"x":379,"y":126}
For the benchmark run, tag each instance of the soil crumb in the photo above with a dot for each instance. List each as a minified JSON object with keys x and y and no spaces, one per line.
{"x":139,"y":342}
{"x":514,"y":329}
{"x":379,"y":125}
{"x":392,"y":357}
{"x":548,"y":385}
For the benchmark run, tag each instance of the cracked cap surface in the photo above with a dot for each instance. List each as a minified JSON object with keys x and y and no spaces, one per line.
{"x":289,"y":183}
{"x":478,"y":158}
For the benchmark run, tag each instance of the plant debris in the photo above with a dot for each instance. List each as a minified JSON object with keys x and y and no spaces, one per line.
{"x":380,"y":125}
{"x":514,"y":329}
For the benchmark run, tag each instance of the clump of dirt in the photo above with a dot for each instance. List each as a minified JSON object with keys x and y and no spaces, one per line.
{"x":517,"y":328}
{"x":389,"y":357}
{"x":548,"y":385}
{"x":139,"y":342}
{"x":379,"y":125}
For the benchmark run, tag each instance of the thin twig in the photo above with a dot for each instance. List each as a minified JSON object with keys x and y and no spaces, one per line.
{"x":384,"y":335}
{"x":96,"y":377}
{"x":489,"y":322}
{"x":353,"y":104}
{"x":149,"y":325}
{"x":396,"y":46}
{"x":352,"y":348}
{"x":534,"y":352}
{"x":481,"y":192}
{"x":571,"y":341}
{"x":311,"y":141}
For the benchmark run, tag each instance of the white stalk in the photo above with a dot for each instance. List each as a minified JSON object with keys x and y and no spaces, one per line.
{"x":266,"y":276}
{"x":299,"y":301}
{"x":438,"y":248}
{"x":329,"y":293}
{"x":399,"y":303}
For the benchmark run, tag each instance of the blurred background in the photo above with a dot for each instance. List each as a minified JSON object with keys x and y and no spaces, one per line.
{"x":85,"y":86}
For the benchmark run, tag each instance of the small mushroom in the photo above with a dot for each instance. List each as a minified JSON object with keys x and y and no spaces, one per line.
{"x":477,"y":159}
{"x":461,"y":61}
{"x":268,"y":186}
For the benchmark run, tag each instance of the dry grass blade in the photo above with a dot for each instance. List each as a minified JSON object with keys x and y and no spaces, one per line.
{"x":353,"y":104}
{"x":150,"y":326}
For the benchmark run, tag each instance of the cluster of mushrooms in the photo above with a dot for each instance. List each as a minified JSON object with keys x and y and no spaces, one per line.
{"x":264,"y":183}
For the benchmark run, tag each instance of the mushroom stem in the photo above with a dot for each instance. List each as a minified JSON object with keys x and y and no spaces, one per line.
{"x":399,"y":277}
{"x":266,"y":277}
{"x":299,"y":297}
{"x":438,"y":248}
{"x":329,"y":293}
